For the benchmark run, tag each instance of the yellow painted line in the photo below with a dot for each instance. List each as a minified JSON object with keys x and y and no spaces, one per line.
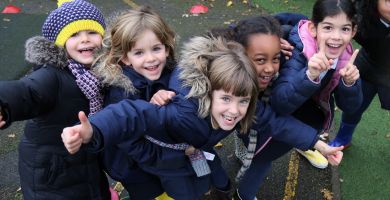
{"x":292,"y":178}
{"x":131,"y":3}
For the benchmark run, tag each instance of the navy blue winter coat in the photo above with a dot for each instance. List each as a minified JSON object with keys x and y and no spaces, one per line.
{"x":118,"y":164}
{"x":293,"y":88}
{"x":50,"y":99}
{"x":126,"y":122}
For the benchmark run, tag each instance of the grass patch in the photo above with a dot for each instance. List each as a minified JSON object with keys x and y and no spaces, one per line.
{"x":365,"y":163}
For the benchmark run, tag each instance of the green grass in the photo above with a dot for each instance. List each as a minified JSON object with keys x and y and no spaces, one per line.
{"x":364,"y":172}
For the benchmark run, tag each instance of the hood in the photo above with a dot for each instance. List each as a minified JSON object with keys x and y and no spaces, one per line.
{"x":41,"y":51}
{"x":196,"y":55}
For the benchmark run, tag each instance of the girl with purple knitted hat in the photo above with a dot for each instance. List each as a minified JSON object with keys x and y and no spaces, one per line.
{"x":50,"y":97}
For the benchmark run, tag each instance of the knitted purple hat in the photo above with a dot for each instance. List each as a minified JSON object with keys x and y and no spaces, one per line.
{"x":71,"y":17}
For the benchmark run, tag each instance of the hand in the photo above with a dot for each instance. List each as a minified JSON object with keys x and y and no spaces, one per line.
{"x":2,"y":122}
{"x":318,"y":63}
{"x":334,"y":154}
{"x":74,"y":136}
{"x":190,"y":150}
{"x":162,"y":97}
{"x":350,"y":73}
{"x":286,"y":48}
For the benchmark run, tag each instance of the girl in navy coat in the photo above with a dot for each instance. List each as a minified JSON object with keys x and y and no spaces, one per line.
{"x":49,"y":98}
{"x":320,"y":71}
{"x":373,"y":62}
{"x":261,"y":38}
{"x":137,"y":61}
{"x":216,"y":92}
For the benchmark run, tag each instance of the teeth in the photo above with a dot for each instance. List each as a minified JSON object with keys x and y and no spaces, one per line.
{"x":229,"y":118}
{"x":334,"y":45}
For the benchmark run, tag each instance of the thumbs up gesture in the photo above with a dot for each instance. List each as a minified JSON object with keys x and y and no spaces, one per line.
{"x":350,"y":73}
{"x":318,"y":63}
{"x":73,"y":137}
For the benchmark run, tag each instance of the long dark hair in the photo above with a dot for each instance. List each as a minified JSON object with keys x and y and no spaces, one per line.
{"x":329,"y":8}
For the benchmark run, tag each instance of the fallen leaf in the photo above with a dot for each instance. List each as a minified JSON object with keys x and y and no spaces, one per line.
{"x":328,"y":195}
{"x":387,"y":135}
{"x":11,"y":135}
{"x":6,"y":19}
{"x":229,"y":3}
{"x":218,"y":145}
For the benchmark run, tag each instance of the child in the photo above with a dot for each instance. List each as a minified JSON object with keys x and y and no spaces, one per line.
{"x":216,"y":88}
{"x":49,"y":97}
{"x":136,"y":64}
{"x":261,"y":38}
{"x":320,"y":70}
{"x":372,"y":61}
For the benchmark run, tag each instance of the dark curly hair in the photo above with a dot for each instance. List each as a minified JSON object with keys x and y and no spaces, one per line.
{"x":240,"y":33}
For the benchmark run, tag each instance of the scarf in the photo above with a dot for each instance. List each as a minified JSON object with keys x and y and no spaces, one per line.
{"x":88,"y":84}
{"x":197,"y":159}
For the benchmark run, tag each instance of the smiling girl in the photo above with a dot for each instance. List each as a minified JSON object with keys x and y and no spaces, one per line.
{"x":320,"y":72}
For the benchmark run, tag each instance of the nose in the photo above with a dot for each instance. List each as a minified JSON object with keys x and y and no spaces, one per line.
{"x":268,"y":67}
{"x":336,"y":35}
{"x":84,"y":36}
{"x":234,"y":108}
{"x":150,"y":57}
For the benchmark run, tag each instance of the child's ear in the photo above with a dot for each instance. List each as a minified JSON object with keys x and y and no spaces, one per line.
{"x":312,"y":29}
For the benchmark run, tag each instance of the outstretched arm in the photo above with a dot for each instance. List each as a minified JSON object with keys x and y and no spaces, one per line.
{"x":334,"y":154}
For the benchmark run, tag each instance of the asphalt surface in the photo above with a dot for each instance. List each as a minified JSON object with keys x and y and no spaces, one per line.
{"x":292,"y":177}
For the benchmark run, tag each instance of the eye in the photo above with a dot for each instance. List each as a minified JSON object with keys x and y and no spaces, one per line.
{"x":328,"y":28}
{"x":260,"y":61}
{"x":138,"y":53}
{"x":225,"y":99}
{"x":157,"y":48}
{"x":92,"y":32}
{"x":75,"y":34}
{"x":276,"y":60}
{"x":245,"y":101}
{"x":346,"y":29}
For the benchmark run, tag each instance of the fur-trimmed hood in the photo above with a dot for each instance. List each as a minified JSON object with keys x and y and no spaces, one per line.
{"x":196,"y":55}
{"x":41,"y":51}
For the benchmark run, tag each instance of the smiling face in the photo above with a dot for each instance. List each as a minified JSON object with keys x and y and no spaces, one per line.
{"x":336,"y":32}
{"x":264,"y":51}
{"x":81,"y":46}
{"x":227,"y":110}
{"x":148,"y":56}
{"x":384,"y":9}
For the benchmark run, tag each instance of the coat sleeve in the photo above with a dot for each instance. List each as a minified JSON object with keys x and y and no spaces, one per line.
{"x":292,"y":88}
{"x":349,"y":99}
{"x":130,"y":120}
{"x":30,"y":96}
{"x":284,"y":128}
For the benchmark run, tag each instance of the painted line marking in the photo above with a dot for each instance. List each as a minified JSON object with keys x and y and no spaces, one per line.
{"x":292,"y":178}
{"x":131,"y":3}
